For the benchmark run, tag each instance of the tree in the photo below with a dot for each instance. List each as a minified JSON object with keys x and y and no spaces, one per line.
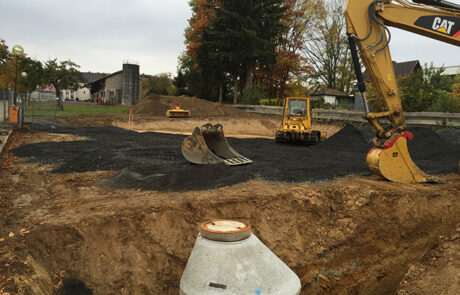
{"x":247,"y":34}
{"x":180,"y":84}
{"x":328,"y":52}
{"x":158,"y":84}
{"x":62,"y":75}
{"x":34,"y":70}
{"x":428,"y":90}
{"x":291,"y":67}
{"x":229,"y":39}
{"x":4,"y":53}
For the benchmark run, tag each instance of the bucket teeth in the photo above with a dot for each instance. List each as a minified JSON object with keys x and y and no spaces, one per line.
{"x":208,"y":145}
{"x":237,"y":161}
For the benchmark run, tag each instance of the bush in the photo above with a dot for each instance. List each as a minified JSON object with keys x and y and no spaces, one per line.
{"x":253,"y":96}
{"x":271,"y":102}
{"x":318,"y":103}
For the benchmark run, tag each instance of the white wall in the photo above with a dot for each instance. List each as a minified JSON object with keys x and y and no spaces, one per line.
{"x":329,"y":99}
{"x":83,"y":93}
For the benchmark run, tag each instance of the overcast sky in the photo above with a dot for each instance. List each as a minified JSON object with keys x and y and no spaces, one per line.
{"x":99,"y":34}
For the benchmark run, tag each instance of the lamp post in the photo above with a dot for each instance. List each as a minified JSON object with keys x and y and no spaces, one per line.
{"x":17,"y":51}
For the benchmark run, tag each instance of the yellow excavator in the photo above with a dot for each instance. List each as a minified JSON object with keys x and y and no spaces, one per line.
{"x":367,"y":29}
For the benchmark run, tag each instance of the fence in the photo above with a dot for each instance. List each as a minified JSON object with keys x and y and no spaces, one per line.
{"x":33,"y":104}
{"x":43,"y":105}
{"x":6,"y":99}
{"x":413,"y":118}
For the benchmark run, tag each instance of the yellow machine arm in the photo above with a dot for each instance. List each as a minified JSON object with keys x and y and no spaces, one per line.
{"x":367,"y":22}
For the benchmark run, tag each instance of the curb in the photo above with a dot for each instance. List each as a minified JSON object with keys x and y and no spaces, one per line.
{"x":4,"y":138}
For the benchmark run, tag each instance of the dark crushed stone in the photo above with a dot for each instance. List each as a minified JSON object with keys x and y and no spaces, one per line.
{"x":153,"y":161}
{"x":449,"y":134}
{"x":73,"y":287}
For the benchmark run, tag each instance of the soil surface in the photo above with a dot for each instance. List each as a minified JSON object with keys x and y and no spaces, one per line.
{"x":113,"y":211}
{"x":153,"y":161}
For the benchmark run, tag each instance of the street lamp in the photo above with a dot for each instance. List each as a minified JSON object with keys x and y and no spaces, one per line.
{"x":17,"y":51}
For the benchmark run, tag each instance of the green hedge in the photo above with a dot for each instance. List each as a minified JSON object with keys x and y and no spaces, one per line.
{"x":271,"y":102}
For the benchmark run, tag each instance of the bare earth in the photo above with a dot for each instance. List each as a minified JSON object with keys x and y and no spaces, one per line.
{"x":355,"y":235}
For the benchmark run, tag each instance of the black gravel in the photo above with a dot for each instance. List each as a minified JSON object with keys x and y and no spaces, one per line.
{"x":153,"y":161}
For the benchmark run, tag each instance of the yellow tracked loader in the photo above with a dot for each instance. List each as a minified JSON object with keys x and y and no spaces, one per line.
{"x":208,"y":145}
{"x":296,"y":123}
{"x":367,"y":22}
{"x":177,"y":112}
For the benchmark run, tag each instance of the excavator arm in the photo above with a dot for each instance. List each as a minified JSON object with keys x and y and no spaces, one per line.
{"x":367,"y":29}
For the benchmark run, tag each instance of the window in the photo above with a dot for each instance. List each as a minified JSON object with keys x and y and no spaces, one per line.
{"x":297,"y":108}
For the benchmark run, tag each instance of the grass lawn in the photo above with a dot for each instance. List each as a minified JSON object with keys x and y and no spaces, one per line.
{"x":47,"y":109}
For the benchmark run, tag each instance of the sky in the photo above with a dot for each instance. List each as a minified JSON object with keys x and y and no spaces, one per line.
{"x":99,"y":35}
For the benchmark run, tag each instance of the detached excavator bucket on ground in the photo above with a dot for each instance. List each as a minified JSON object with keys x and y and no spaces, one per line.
{"x":208,"y":145}
{"x":395,"y":164}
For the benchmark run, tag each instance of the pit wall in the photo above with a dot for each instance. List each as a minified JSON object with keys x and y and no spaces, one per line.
{"x":357,"y":238}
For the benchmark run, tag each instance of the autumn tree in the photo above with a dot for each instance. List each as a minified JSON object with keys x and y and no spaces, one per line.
{"x":62,"y":75}
{"x":32,"y":67}
{"x":327,"y":50}
{"x":291,"y":67}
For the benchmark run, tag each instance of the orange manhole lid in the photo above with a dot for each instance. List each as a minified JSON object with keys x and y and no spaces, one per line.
{"x":225,"y":230}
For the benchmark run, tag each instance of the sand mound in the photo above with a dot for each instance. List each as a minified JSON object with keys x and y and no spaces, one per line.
{"x":158,"y":104}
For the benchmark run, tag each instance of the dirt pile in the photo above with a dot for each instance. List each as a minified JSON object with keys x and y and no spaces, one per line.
{"x":157,"y":105}
{"x":153,"y":161}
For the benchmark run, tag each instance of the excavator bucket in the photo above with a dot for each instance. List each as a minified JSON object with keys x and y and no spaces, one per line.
{"x":395,"y":164}
{"x":208,"y":145}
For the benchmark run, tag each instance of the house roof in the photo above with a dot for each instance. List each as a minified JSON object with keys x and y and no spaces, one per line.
{"x":401,"y":68}
{"x":328,"y":91}
{"x":452,"y":71}
{"x":406,"y":68}
{"x":105,"y":77}
{"x":91,"y":77}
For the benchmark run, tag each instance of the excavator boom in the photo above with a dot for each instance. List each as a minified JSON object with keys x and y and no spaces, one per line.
{"x":368,"y":33}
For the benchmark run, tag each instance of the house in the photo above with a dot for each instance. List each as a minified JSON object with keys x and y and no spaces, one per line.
{"x":402,"y":69}
{"x":83,"y":93}
{"x":452,"y":71}
{"x":122,"y":87}
{"x":333,"y":97}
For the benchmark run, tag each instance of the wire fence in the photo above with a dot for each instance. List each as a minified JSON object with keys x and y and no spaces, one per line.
{"x":6,"y":99}
{"x":41,"y":107}
{"x":33,"y":107}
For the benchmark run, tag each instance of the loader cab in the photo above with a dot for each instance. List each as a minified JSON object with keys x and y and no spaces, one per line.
{"x":296,"y":114}
{"x":297,"y":107}
{"x":296,"y":125}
